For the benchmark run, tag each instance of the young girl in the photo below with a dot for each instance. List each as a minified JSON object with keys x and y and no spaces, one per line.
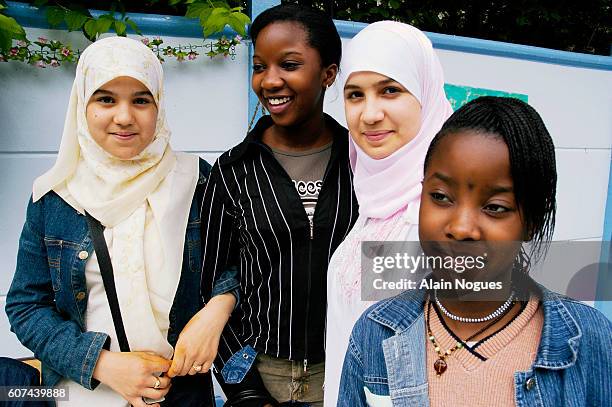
{"x":490,"y":178}
{"x":277,"y":205}
{"x":394,"y":103}
{"x":115,"y":163}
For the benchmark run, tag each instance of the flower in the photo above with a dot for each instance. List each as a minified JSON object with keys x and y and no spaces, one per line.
{"x":42,"y":40}
{"x":41,"y":64}
{"x":65,"y":51}
{"x":14,"y":51}
{"x":145,"y":41}
{"x":54,"y":63}
{"x":238,"y":37}
{"x":192,"y":55}
{"x":2,"y":58}
{"x":180,"y":57}
{"x":21,"y":43}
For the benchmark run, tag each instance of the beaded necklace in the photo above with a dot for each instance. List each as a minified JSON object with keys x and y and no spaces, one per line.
{"x":440,"y":364}
{"x":494,"y":315}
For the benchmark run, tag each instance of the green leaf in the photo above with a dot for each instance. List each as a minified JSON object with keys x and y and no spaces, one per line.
{"x":204,"y":15}
{"x":2,"y":6}
{"x":90,"y":29}
{"x":55,"y":15}
{"x":244,"y":19}
{"x":103,"y":24}
{"x":237,"y":25}
{"x":9,"y":29}
{"x":12,"y":27}
{"x":174,"y":2}
{"x":40,"y":3}
{"x":220,"y":12}
{"x":394,"y":4}
{"x":120,"y":28}
{"x":133,"y":25}
{"x":194,"y":10}
{"x":212,"y":26}
{"x":5,"y":40}
{"x":75,"y":20}
{"x":221,"y":4}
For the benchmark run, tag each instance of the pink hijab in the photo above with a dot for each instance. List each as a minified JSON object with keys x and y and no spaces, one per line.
{"x":405,"y":54}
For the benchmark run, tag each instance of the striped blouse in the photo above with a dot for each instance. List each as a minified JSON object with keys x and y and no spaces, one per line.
{"x":253,"y":219}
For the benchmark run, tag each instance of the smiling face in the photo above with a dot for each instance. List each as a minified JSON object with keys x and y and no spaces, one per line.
{"x":121,"y":117}
{"x":288,"y":76}
{"x":468,"y":197}
{"x":381,"y":114}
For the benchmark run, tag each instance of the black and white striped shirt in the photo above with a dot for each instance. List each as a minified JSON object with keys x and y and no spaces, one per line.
{"x":253,"y":218}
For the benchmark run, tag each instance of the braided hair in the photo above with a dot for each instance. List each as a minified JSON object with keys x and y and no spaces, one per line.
{"x":532,"y":159}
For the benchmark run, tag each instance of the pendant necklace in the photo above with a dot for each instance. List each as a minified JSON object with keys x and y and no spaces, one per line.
{"x":440,"y":364}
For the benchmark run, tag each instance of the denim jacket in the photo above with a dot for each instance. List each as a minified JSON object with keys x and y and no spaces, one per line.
{"x":386,"y":356}
{"x":48,"y":296}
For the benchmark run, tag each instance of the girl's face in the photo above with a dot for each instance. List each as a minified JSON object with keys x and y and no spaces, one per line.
{"x":121,"y":117}
{"x":468,"y":196}
{"x":382,"y":115}
{"x":288,"y":76}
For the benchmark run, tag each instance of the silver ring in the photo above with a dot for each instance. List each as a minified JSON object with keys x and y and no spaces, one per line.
{"x":157,"y":384}
{"x":197,"y":368}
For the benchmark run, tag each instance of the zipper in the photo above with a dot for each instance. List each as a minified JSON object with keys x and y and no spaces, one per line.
{"x":311,"y":222}
{"x":330,"y":164}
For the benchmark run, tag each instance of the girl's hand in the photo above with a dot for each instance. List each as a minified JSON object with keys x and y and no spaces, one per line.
{"x":198,"y":342}
{"x":132,"y":375}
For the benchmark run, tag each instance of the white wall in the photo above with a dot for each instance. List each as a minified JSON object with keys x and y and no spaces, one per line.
{"x":207,"y":110}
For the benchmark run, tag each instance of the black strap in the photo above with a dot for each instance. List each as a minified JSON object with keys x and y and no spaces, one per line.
{"x":106,"y":269}
{"x":250,"y":398}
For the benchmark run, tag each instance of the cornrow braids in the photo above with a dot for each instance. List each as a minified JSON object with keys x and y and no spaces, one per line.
{"x":532,"y":159}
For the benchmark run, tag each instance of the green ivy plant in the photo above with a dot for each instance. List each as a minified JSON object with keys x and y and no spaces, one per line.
{"x":9,"y":29}
{"x":212,"y":15}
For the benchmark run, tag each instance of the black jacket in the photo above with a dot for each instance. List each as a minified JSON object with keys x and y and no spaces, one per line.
{"x":253,"y":218}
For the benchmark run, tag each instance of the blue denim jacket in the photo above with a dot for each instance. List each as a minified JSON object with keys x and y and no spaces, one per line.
{"x":48,"y":296}
{"x":387,"y":355}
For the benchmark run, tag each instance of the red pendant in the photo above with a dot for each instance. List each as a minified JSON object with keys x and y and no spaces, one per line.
{"x":440,"y":366}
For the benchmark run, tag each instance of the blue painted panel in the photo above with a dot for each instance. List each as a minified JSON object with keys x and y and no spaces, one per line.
{"x":604,"y":283}
{"x":348,"y":29}
{"x":186,"y":27}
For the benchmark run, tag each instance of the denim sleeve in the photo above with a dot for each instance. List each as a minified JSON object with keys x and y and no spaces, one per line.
{"x":228,"y":283}
{"x":351,"y":392}
{"x":30,"y":305}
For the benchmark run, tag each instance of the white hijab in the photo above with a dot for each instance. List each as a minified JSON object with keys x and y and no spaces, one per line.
{"x":143,"y":201}
{"x":87,"y":176}
{"x":404,"y":54}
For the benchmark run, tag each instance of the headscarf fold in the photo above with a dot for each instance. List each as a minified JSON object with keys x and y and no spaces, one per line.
{"x":404,"y":54}
{"x":143,"y":201}
{"x":84,"y":174}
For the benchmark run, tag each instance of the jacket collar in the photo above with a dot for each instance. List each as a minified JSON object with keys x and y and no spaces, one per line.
{"x":559,"y":341}
{"x":252,"y":142}
{"x":400,"y":312}
{"x":561,"y":334}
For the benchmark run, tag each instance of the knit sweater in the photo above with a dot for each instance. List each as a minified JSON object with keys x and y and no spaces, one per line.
{"x":484,"y":377}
